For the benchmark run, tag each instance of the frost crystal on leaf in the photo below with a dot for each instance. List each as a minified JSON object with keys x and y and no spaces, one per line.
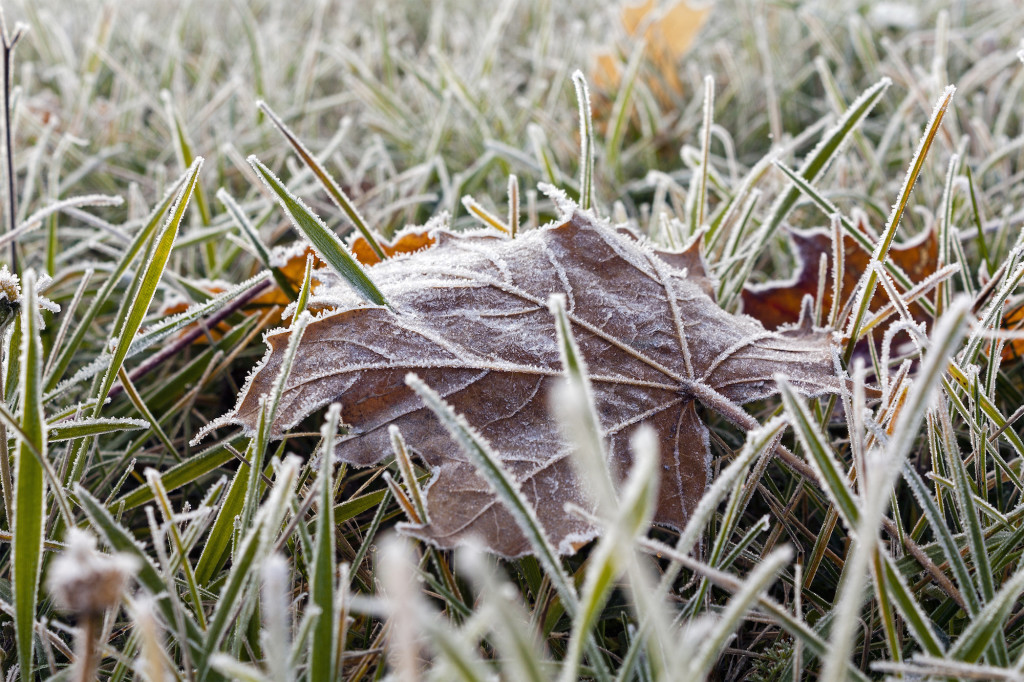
{"x":471,"y":319}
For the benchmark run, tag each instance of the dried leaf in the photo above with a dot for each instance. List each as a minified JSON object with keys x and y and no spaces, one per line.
{"x":778,"y":303}
{"x":1013,"y":320}
{"x":668,"y":32}
{"x":471,"y":318}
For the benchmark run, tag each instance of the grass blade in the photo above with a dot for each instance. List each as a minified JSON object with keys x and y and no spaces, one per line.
{"x":329,"y":247}
{"x":328,"y":182}
{"x":323,"y":665}
{"x":29,"y":480}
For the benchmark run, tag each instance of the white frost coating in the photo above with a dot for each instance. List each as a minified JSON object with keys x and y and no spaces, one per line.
{"x":563,"y":204}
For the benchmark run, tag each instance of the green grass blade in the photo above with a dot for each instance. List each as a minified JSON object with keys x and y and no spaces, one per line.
{"x":819,"y":158}
{"x":341,"y":200}
{"x":29,"y":479}
{"x":323,"y":665}
{"x":579,"y":81}
{"x":79,"y":428}
{"x":327,"y":244}
{"x":148,"y":280}
{"x":820,"y":455}
{"x":881,"y":250}
{"x":142,"y":237}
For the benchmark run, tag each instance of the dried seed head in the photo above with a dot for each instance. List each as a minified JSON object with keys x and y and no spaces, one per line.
{"x":10,"y":286}
{"x":86,"y":582}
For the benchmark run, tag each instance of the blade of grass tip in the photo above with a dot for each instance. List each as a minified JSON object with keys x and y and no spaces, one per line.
{"x":307,"y":285}
{"x":328,"y":182}
{"x":586,"y":141}
{"x":881,"y":250}
{"x":483,"y":215}
{"x":739,"y":606}
{"x":513,"y":205}
{"x":148,"y":279}
{"x":249,"y":230}
{"x":30,"y":487}
{"x":78,"y":428}
{"x":327,"y":244}
{"x":490,"y":467}
{"x":323,"y":665}
{"x":408,"y":475}
{"x":696,"y":197}
{"x":830,"y":145}
{"x":142,"y":237}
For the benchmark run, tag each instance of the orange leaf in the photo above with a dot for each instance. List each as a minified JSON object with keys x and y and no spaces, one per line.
{"x":406,"y":241}
{"x":668,"y":32}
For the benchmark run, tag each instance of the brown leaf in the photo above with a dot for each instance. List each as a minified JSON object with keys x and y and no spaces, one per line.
{"x":471,"y":319}
{"x":778,"y":303}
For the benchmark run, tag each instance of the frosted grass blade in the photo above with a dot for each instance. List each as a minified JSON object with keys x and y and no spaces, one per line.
{"x":30,"y":514}
{"x":328,"y":182}
{"x":586,"y":141}
{"x":148,"y":279}
{"x":142,"y":237}
{"x":819,"y":455}
{"x":881,"y":250}
{"x":326,"y":242}
{"x":78,"y":428}
{"x":323,"y":665}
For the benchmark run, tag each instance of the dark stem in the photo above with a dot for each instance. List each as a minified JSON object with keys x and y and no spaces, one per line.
{"x":9,"y":41}
{"x":185,"y":340}
{"x":85,"y":648}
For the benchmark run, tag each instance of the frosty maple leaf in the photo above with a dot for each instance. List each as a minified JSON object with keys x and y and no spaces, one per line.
{"x":470,"y":316}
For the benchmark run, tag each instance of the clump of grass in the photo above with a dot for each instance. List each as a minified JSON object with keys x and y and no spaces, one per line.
{"x":894,"y":550}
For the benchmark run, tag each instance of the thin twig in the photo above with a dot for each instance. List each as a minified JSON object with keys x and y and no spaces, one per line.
{"x":186,"y":339}
{"x":9,"y":41}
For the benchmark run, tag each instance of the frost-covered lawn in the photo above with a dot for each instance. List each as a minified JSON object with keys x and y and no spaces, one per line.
{"x":865,"y":522}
